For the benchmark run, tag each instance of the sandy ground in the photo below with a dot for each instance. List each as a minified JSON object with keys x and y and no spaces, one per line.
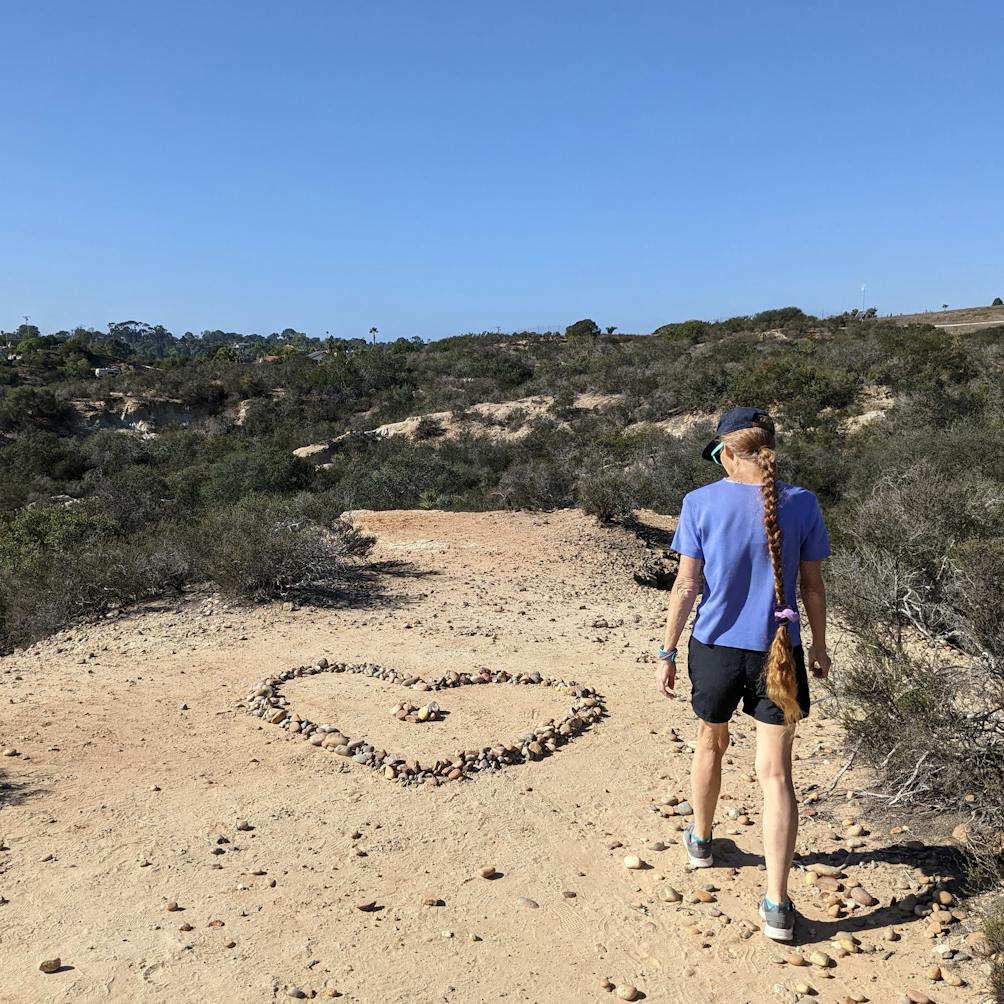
{"x":135,"y":758}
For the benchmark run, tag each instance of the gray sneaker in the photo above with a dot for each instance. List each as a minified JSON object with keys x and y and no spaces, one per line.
{"x":698,"y":851}
{"x":778,"y":919}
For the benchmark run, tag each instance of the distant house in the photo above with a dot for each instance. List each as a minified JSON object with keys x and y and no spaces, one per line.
{"x":106,"y":371}
{"x":317,"y":357}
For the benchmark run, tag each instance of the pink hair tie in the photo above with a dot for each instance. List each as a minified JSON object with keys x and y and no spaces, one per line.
{"x":787,"y":614}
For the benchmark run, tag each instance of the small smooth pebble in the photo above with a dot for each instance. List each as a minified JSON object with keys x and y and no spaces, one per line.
{"x":49,"y":966}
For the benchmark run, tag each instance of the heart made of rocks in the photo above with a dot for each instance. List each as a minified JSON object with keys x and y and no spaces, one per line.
{"x":493,"y":719}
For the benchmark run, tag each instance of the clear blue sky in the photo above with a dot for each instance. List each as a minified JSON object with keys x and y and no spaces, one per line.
{"x":436,"y":167}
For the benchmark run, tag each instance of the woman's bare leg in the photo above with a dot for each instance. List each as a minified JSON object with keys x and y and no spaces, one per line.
{"x":780,"y":811}
{"x":706,"y":774}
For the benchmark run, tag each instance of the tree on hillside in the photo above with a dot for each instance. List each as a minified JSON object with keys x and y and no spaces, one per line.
{"x":586,"y":326}
{"x":374,"y":333}
{"x":611,"y":328}
{"x":944,"y":306}
{"x":998,"y":302}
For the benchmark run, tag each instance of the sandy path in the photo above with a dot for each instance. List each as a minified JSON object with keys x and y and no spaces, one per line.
{"x":113,"y":772}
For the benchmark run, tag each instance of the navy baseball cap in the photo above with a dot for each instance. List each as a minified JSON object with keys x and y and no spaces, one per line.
{"x":732,"y":421}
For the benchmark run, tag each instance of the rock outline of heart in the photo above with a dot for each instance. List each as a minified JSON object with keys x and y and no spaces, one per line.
{"x":266,"y":701}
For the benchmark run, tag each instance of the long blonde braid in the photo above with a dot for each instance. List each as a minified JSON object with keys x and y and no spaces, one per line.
{"x":779,"y":668}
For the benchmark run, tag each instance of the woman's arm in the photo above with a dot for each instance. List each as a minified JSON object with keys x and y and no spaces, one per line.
{"x":813,"y":592}
{"x":685,"y":591}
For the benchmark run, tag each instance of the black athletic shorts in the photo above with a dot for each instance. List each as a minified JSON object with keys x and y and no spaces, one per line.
{"x":721,"y":677}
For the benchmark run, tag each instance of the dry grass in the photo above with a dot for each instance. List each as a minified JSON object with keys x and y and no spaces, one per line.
{"x":962,"y":321}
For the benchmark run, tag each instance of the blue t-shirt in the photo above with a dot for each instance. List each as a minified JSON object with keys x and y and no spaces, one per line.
{"x":722,"y":523}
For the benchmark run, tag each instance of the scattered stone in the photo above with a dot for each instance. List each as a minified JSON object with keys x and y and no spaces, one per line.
{"x":366,"y":905}
{"x":916,"y":997}
{"x":432,"y":901}
{"x":568,"y":894}
{"x":632,"y":862}
{"x":796,"y":959}
{"x":488,"y":872}
{"x":527,"y":904}
{"x":669,"y":895}
{"x":934,"y":973}
{"x":626,"y":992}
{"x":831,"y":871}
{"x":50,"y":966}
{"x":172,"y":907}
{"x":296,"y":993}
{"x":244,"y":826}
{"x":820,"y":959}
{"x":976,"y":942}
{"x":606,"y":984}
{"x":862,"y":896}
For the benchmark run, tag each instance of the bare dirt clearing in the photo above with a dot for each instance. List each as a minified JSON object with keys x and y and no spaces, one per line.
{"x":136,"y":763}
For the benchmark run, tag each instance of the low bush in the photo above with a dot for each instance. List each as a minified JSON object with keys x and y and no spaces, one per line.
{"x":260,"y":548}
{"x":608,"y":494}
{"x":921,"y":691}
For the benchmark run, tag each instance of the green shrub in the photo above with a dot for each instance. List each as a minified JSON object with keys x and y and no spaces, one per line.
{"x":587,"y":326}
{"x":26,"y":408}
{"x":794,"y":387}
{"x":429,"y":428}
{"x":608,"y":494}
{"x":59,"y":563}
{"x":918,"y":577}
{"x":684,"y":331}
{"x":259,"y":548}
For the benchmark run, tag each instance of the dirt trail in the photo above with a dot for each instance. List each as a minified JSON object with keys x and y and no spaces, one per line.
{"x":119,"y":798}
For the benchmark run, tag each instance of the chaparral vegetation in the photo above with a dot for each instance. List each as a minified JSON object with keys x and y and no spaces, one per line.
{"x":136,"y":462}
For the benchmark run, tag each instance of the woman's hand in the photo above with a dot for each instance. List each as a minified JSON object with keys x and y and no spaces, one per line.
{"x":819,"y":662}
{"x":665,"y":678}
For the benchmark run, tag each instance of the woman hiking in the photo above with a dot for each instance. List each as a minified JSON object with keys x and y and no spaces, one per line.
{"x":744,"y":542}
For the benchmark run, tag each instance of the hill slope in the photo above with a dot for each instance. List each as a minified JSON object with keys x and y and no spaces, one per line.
{"x":961,"y":321}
